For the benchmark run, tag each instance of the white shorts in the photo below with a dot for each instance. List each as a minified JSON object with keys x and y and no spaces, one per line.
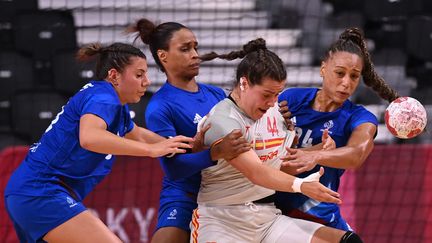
{"x":248,"y":223}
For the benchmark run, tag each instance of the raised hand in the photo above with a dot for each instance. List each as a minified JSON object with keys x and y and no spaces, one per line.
{"x":232,"y":145}
{"x":327,"y":141}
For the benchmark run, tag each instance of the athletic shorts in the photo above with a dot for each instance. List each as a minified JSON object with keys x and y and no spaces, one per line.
{"x":340,"y":223}
{"x":176,"y":215}
{"x":249,"y":223}
{"x":35,"y":216}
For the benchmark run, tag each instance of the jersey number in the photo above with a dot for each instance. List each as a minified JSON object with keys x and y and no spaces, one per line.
{"x":272,"y":126}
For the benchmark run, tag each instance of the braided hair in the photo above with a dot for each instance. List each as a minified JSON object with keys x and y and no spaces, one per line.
{"x":352,"y":41}
{"x":258,"y":62}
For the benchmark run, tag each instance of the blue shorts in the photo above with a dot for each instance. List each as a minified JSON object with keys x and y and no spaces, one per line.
{"x":35,"y":216}
{"x":177,"y":215}
{"x":340,"y":223}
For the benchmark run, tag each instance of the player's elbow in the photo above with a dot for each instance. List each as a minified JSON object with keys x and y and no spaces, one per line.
{"x":86,"y":142}
{"x":361,"y":156}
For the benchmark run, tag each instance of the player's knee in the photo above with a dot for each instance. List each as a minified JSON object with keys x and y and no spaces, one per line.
{"x":350,"y":237}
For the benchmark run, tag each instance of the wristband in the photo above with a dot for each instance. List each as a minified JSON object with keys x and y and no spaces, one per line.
{"x":314,"y":177}
{"x":296,"y":186}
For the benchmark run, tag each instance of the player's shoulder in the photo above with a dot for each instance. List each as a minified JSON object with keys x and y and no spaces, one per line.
{"x":224,"y":110}
{"x":352,"y":107}
{"x":207,"y":88}
{"x":296,"y":97}
{"x":97,"y":91}
{"x":298,"y":93}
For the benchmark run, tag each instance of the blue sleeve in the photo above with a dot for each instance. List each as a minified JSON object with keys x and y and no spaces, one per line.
{"x":185,"y":165}
{"x":285,"y":95}
{"x":360,"y":116}
{"x":107,"y":111}
{"x":159,"y":120}
{"x":129,"y":122}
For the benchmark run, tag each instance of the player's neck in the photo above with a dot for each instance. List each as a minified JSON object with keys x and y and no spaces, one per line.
{"x":184,"y":83}
{"x":323,"y":103}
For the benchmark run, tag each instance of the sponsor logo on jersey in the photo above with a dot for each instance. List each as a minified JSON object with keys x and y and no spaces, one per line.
{"x":268,"y":156}
{"x":197,"y":118}
{"x":71,"y":202}
{"x":34,"y":147}
{"x":173,"y":214}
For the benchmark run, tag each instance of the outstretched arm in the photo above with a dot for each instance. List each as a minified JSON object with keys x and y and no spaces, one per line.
{"x":350,"y":156}
{"x":144,"y":135}
{"x":251,"y":166}
{"x":93,"y":136}
{"x":185,"y":165}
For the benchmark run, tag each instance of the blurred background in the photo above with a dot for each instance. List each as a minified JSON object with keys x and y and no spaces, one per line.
{"x":388,"y":200}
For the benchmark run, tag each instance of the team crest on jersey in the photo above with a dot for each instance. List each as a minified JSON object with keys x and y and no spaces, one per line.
{"x":197,"y":118}
{"x":328,"y":125}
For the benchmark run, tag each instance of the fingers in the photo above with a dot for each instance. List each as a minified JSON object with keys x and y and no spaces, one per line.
{"x":284,"y":109}
{"x":330,"y":196}
{"x":291,"y":151}
{"x":283,"y":103}
{"x":325,"y":134}
{"x":182,"y":138}
{"x":205,"y":129}
{"x":321,"y":171}
{"x":179,"y":151}
{"x":234,"y":134}
{"x":182,"y":145}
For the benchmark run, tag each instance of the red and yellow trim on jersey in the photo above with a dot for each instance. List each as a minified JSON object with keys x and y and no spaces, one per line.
{"x":268,"y":143}
{"x":195,"y":225}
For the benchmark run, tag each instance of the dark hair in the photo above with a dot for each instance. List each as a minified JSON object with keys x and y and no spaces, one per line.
{"x":116,"y":56}
{"x":352,"y":41}
{"x":258,"y":62}
{"x":157,"y":37}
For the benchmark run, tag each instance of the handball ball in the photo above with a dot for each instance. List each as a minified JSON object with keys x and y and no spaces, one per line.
{"x":405,"y":117}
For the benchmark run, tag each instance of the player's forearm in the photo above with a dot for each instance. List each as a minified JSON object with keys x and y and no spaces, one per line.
{"x":344,"y":157}
{"x":313,"y":148}
{"x":104,"y":142}
{"x":149,"y":136}
{"x":271,"y":178}
{"x":249,"y":164}
{"x":185,"y":165}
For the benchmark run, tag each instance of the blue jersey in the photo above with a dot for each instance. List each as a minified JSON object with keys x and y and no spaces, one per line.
{"x":173,"y":111}
{"x":309,"y":127}
{"x":58,"y":155}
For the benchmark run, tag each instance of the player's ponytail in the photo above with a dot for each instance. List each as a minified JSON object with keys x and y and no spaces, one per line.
{"x":352,"y":41}
{"x":87,"y":52}
{"x":156,"y":36}
{"x":251,"y":46}
{"x":116,"y":55}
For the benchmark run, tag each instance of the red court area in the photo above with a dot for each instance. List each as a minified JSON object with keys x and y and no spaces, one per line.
{"x":388,"y":200}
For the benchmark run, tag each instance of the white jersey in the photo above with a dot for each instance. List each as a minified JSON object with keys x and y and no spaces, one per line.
{"x":223,"y":184}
